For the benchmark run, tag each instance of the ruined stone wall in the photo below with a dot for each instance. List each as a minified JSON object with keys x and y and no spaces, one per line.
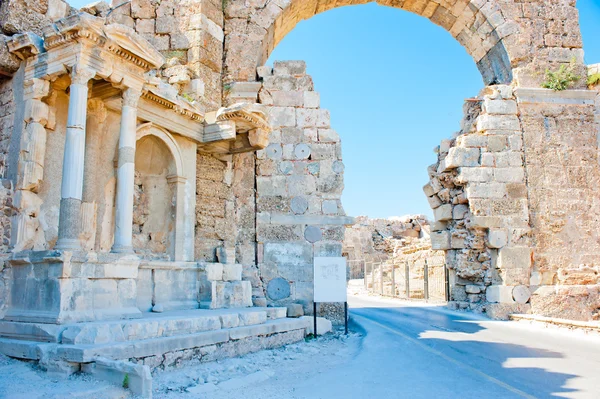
{"x":188,"y":34}
{"x":299,"y":185}
{"x":213,"y":227}
{"x":479,"y":195}
{"x":375,"y":240}
{"x":225,"y":204}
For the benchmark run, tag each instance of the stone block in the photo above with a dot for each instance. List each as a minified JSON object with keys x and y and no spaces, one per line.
{"x":499,"y":294}
{"x":486,"y":190}
{"x":498,"y":122}
{"x":253,"y":318}
{"x":510,"y":175}
{"x":295,"y":310}
{"x":276,"y":313}
{"x":232,"y":272}
{"x":307,"y":118}
{"x":472,"y":140}
{"x":460,"y":212}
{"x":324,"y":325}
{"x":497,"y":238}
{"x":294,"y":68}
{"x":312,"y":99}
{"x":287,"y":98}
{"x":458,"y":156}
{"x":434,"y":202}
{"x":428,"y":190}
{"x":330,"y":207}
{"x":282,"y":117}
{"x":229,"y":320}
{"x":472,"y":289}
{"x":476,"y":174}
{"x":500,"y":107}
{"x":116,"y":371}
{"x":214,"y":272}
{"x":501,"y":311}
{"x":443,"y":213}
{"x":514,"y":258}
{"x":329,"y":135}
{"x":440,"y":240}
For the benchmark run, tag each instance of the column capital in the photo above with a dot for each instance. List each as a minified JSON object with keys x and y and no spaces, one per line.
{"x":81,"y":74}
{"x":131,"y":97}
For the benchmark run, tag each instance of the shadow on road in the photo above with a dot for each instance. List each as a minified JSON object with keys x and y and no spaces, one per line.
{"x":507,"y":357}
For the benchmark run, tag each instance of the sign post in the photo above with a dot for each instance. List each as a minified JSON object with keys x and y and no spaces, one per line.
{"x":330,"y":284}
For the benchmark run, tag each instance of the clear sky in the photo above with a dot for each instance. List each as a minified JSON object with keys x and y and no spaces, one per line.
{"x":395,"y":85}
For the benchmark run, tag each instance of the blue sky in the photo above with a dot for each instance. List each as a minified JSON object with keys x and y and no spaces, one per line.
{"x":395,"y":85}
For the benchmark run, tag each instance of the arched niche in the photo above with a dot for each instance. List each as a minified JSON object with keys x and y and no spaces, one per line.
{"x":159,"y":195}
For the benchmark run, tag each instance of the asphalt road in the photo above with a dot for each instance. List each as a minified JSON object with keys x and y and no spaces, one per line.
{"x":413,"y":351}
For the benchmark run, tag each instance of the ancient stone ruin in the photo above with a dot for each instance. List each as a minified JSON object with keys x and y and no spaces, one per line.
{"x":152,"y":165}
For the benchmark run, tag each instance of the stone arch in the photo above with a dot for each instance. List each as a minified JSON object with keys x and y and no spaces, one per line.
{"x":479,"y":26}
{"x":167,"y":139}
{"x":174,"y":180}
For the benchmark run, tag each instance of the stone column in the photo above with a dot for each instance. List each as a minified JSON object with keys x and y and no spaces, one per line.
{"x":73,"y":161}
{"x":126,"y":173}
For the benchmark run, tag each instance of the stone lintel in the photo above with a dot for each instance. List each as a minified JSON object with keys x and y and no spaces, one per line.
{"x":527,"y":95}
{"x":312,"y":219}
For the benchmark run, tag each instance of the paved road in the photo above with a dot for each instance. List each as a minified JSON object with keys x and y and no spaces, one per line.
{"x":412,"y":351}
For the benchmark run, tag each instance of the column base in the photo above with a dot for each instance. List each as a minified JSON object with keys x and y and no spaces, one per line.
{"x":120,"y":249}
{"x":68,"y":244}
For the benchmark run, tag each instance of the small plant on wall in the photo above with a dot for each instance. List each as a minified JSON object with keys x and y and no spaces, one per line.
{"x":593,"y":80}
{"x":561,"y":79}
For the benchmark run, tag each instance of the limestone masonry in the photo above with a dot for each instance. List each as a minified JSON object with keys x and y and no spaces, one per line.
{"x":164,"y":192}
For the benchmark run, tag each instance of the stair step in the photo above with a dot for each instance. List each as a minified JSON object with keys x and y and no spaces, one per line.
{"x":151,"y":325}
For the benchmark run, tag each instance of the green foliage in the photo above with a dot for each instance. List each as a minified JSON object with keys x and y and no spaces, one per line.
{"x":561,"y":79}
{"x":310,"y":337}
{"x":594,"y":79}
{"x":188,"y":97}
{"x":126,"y":381}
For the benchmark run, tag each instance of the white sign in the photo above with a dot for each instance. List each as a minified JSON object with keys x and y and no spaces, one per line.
{"x":330,"y":279}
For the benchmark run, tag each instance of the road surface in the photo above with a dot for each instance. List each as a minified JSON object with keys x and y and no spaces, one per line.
{"x":413,"y":351}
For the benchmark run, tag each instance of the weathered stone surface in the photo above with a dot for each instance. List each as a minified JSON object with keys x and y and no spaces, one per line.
{"x":278,"y":288}
{"x":299,"y":205}
{"x":295,"y":310}
{"x":313,"y":234}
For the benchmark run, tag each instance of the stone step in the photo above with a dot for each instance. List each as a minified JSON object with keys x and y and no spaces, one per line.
{"x":151,"y":325}
{"x":139,"y":349}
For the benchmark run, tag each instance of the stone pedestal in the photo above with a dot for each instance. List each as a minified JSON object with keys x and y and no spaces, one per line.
{"x":68,"y":287}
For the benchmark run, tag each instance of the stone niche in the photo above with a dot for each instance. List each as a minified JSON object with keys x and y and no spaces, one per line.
{"x":155,"y":199}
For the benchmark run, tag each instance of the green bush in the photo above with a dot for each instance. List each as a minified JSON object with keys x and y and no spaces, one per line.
{"x":561,"y":79}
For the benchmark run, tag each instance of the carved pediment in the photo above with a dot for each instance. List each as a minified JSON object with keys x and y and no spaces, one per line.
{"x":130,"y":41}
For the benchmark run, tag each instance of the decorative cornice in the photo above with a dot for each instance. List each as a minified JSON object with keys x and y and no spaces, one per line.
{"x":154,"y":96}
{"x":247,"y":117}
{"x":25,"y":45}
